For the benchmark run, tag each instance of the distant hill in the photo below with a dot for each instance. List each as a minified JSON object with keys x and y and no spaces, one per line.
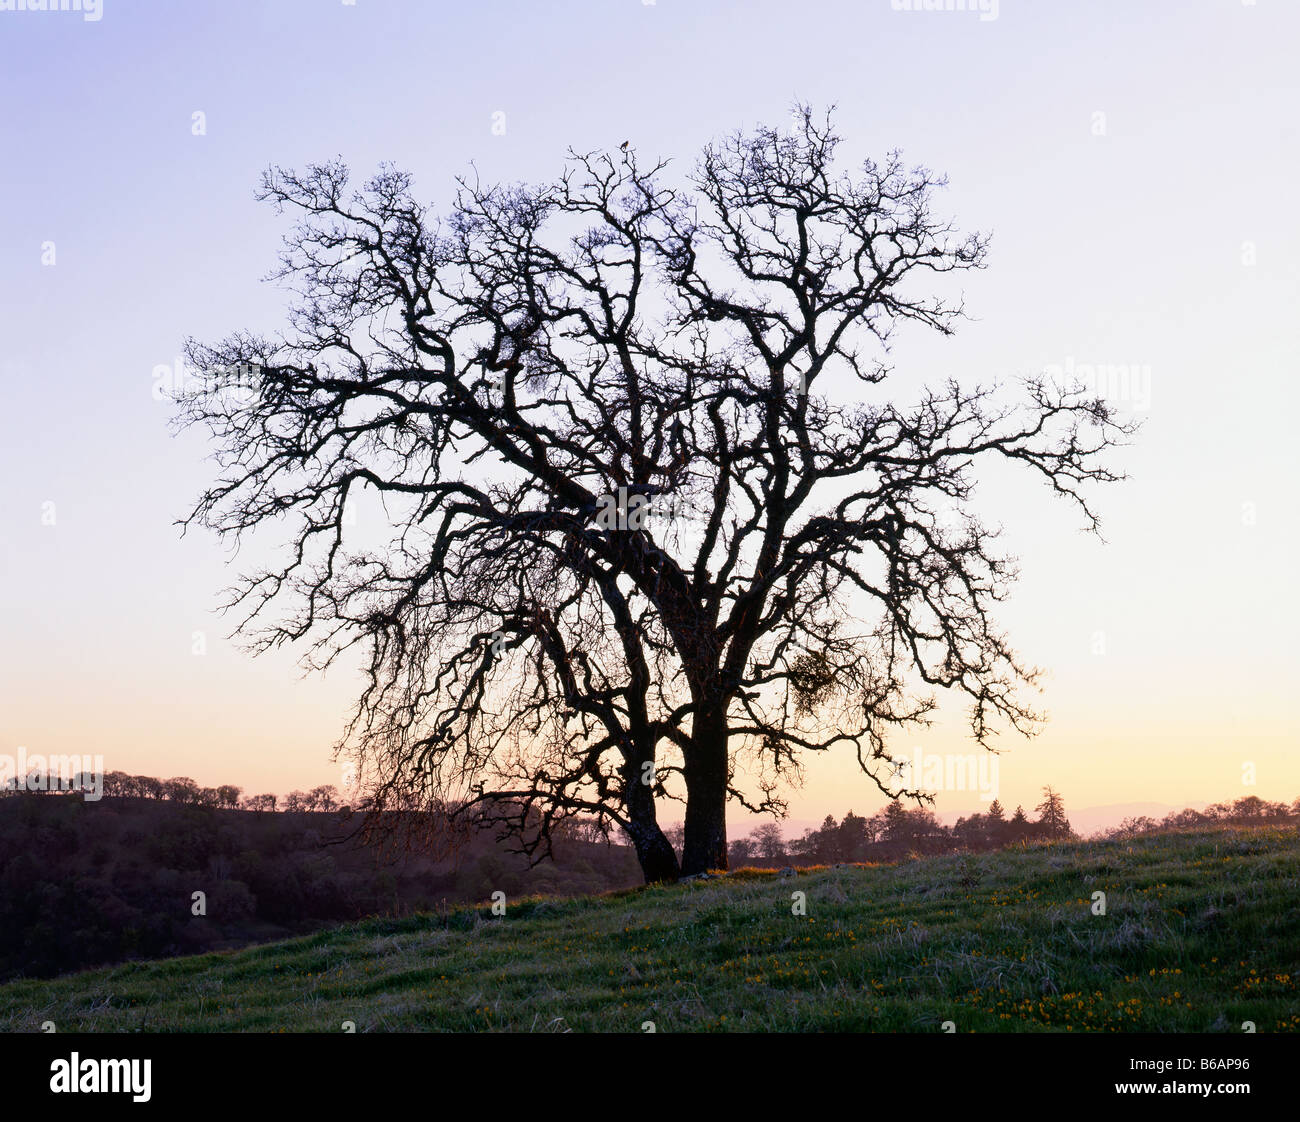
{"x":1200,"y":933}
{"x":85,"y":883}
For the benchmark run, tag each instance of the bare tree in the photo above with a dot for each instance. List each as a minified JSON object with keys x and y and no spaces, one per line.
{"x":228,"y":796}
{"x":323,"y":798}
{"x":118,"y":783}
{"x":637,"y":519}
{"x":149,"y":787}
{"x":182,"y":789}
{"x":768,"y":841}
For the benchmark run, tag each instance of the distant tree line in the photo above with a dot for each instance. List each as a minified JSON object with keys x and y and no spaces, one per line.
{"x":897,"y":831}
{"x":183,"y":789}
{"x":1250,"y":810}
{"x":324,"y":799}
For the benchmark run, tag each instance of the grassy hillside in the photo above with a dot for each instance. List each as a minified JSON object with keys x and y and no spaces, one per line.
{"x":1201,"y":933}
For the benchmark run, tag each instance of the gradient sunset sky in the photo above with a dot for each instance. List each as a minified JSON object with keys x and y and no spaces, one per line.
{"x":1136,"y":164}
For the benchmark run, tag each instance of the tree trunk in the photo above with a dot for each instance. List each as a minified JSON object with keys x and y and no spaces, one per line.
{"x":655,"y":852}
{"x":706,"y":799}
{"x":706,"y":831}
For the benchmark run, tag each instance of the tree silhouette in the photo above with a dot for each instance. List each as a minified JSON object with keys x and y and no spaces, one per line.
{"x":182,"y":789}
{"x":768,"y":841}
{"x":638,"y":514}
{"x":853,"y":837}
{"x":228,"y":796}
{"x":740,"y":850}
{"x":898,"y":823}
{"x":1018,"y":826}
{"x":1051,"y":815}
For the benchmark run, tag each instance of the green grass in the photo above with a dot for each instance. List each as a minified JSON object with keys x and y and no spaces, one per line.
{"x":1201,"y":933}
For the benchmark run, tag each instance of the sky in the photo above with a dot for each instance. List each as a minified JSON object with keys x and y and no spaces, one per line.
{"x":1134,"y":162}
